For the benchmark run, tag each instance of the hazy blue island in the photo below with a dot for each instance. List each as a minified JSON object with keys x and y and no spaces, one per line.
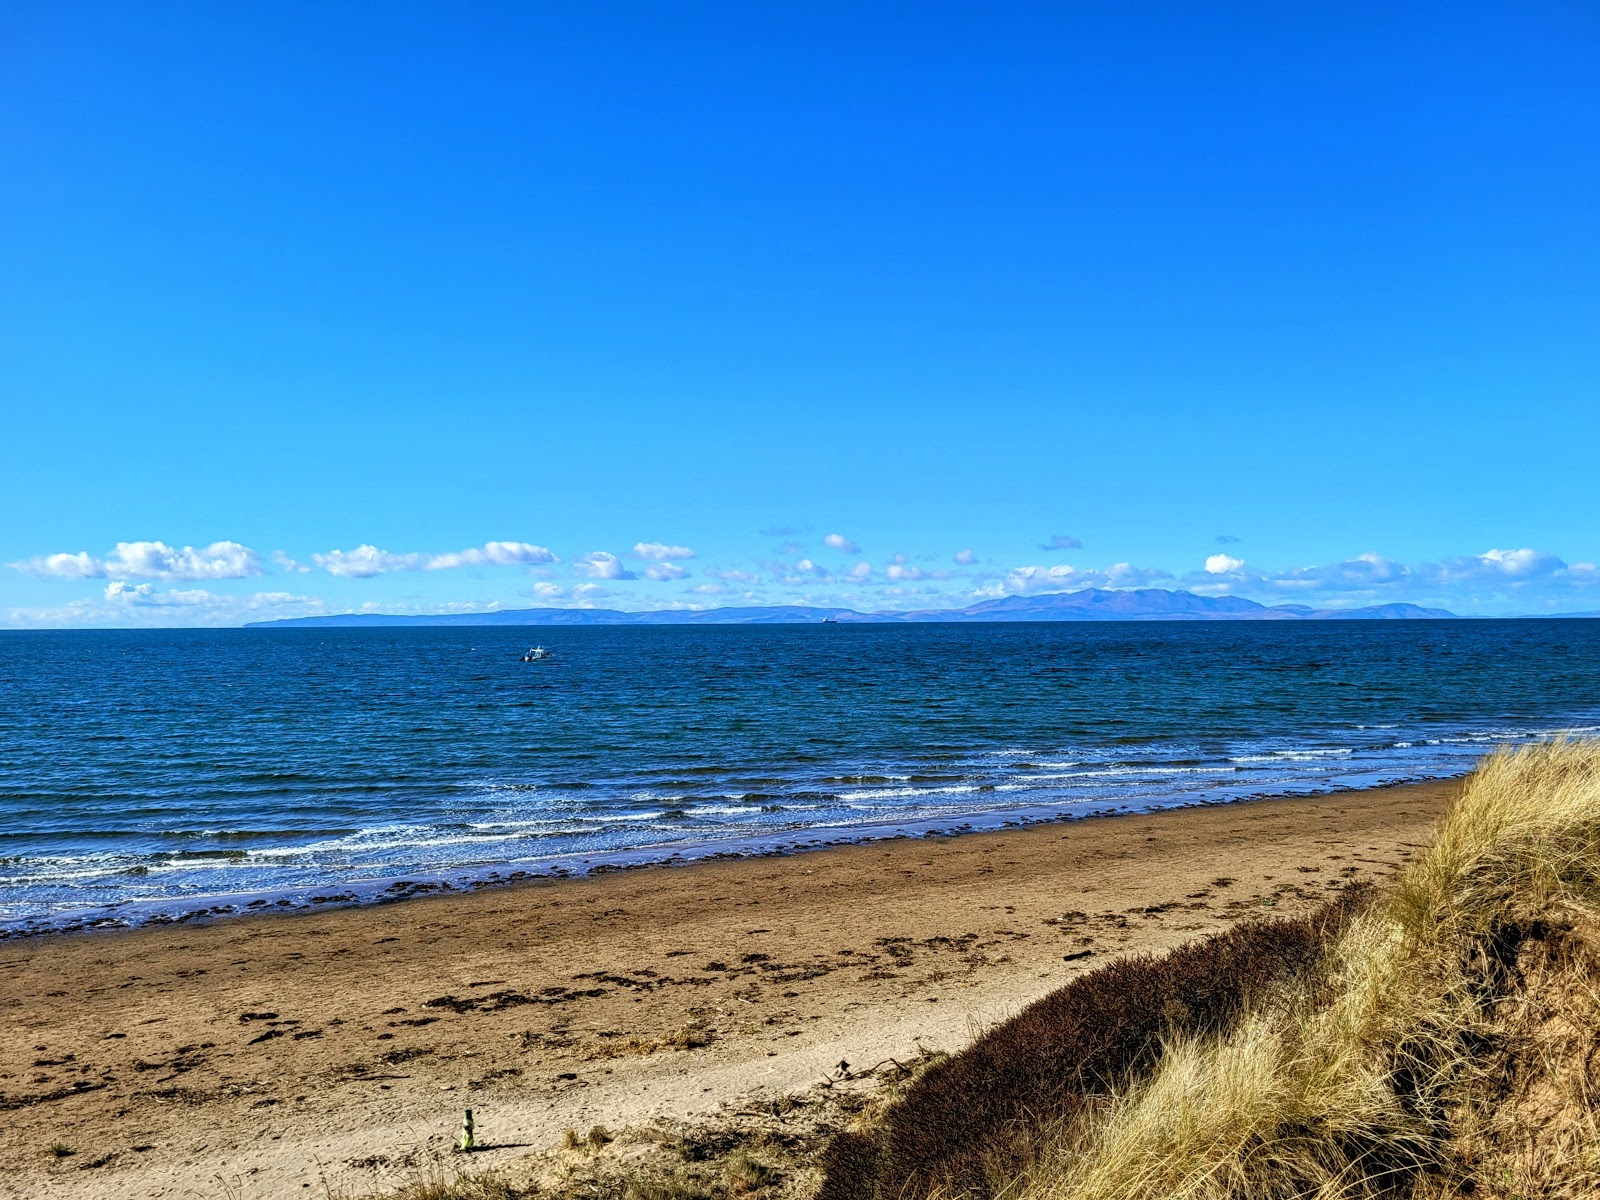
{"x":1089,"y":604}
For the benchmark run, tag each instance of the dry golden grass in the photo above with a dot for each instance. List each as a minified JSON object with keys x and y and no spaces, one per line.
{"x":1450,"y":1049}
{"x":436,"y":1182}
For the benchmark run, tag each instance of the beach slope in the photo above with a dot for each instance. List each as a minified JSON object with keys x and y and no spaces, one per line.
{"x":278,"y":1055}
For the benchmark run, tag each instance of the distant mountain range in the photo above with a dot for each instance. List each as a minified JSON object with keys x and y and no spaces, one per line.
{"x":1090,"y":604}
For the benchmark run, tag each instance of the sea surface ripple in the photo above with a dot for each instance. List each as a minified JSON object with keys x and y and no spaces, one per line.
{"x":158,"y":774}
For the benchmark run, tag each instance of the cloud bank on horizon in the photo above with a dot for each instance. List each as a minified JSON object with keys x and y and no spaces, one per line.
{"x":155,"y":583}
{"x":1032,"y":311}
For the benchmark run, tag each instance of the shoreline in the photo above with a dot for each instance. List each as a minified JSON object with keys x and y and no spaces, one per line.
{"x":280,"y":1050}
{"x":200,"y":910}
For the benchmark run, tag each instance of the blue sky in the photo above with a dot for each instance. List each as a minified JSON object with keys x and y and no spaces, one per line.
{"x":418,"y":307}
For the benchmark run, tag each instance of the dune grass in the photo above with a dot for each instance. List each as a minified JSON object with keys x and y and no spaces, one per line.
{"x":1389,"y":1079}
{"x":1444,"y":1042}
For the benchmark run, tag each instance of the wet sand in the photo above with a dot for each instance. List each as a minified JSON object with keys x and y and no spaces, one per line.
{"x":291,"y":1055}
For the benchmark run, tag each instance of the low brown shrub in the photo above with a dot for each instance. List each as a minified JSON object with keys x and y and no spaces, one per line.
{"x":970,"y":1123}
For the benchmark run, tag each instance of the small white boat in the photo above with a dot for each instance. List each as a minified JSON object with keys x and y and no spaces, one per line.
{"x":538,"y":654}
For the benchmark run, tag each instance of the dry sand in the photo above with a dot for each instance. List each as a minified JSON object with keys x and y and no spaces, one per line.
{"x":304,"y":1054}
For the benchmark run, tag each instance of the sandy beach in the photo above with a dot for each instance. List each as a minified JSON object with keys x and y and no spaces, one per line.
{"x":328,"y":1052}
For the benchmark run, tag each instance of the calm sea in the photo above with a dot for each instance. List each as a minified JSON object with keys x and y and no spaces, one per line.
{"x":157,"y":774}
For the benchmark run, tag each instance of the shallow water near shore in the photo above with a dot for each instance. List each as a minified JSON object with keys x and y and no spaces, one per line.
{"x":145,"y":773}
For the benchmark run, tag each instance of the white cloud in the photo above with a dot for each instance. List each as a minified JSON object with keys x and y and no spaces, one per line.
{"x":125,"y":604}
{"x":600,"y":565}
{"x":1371,"y":572}
{"x":492,"y":554}
{"x":899,"y":571}
{"x":366,"y":561}
{"x":663,"y":571}
{"x":711,"y":589}
{"x":733,"y":576}
{"x":801,"y":571}
{"x":62,"y":566}
{"x":1064,"y":578}
{"x":1361,"y":573}
{"x":859,"y":572}
{"x":658,"y":552}
{"x":1507,"y":580}
{"x":841,"y":543}
{"x":549,"y":591}
{"x":157,"y":560}
{"x":1517,"y":564}
{"x":145,"y":594}
{"x":286,"y":563}
{"x":149,"y":560}
{"x":965,"y":558}
{"x":1223,"y":564}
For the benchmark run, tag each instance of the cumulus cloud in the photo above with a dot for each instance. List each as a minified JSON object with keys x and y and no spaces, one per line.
{"x":1513,"y":564}
{"x":283,"y":562}
{"x":841,"y":543}
{"x":801,"y":571}
{"x":366,"y":561}
{"x":733,"y":576}
{"x":859,"y":572}
{"x":149,"y":560}
{"x":965,"y":558}
{"x":663,"y":571}
{"x":157,"y":560}
{"x":657,"y":552}
{"x":549,"y":591}
{"x":1223,"y":564}
{"x":1064,"y":578}
{"x":901,"y":570}
{"x":1061,"y":541}
{"x":119,"y":591}
{"x":62,"y":566}
{"x":492,"y":554}
{"x":600,"y":565}
{"x":1361,"y":573}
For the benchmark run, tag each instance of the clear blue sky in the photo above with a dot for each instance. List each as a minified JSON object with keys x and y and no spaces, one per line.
{"x":572,"y":279}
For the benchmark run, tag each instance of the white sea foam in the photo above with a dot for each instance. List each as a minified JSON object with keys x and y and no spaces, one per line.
{"x":612,"y":774}
{"x":906,"y":792}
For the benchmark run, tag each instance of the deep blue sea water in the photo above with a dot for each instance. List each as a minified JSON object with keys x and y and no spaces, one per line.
{"x":157,"y":774}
